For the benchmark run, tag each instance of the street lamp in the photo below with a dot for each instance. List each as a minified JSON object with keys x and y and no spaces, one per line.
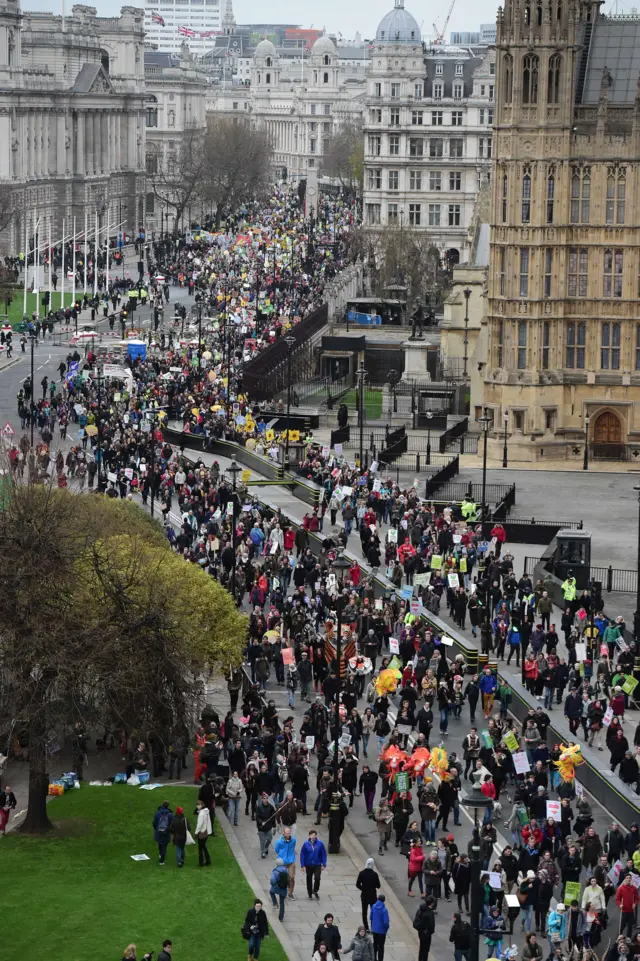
{"x":360,"y":374}
{"x":32,"y":339}
{"x":585,"y":462}
{"x":290,"y":341}
{"x":339,"y":565}
{"x":636,"y":616}
{"x":428,"y":415}
{"x":234,"y":470}
{"x":484,"y":422}
{"x":505,"y":417}
{"x":467,"y":294}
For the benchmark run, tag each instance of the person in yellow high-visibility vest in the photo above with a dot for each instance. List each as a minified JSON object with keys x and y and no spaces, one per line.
{"x":469,"y":510}
{"x":569,"y":588}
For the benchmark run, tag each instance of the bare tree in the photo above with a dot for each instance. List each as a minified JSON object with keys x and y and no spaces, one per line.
{"x":343,"y":157}
{"x":178,"y":177}
{"x":237,"y":165}
{"x":400,"y":257}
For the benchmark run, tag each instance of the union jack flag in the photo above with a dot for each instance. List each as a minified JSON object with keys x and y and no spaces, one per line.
{"x":207,"y":33}
{"x":186,"y":32}
{"x":156,"y":18}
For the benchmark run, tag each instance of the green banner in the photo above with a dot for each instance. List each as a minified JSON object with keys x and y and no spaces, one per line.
{"x":402,"y":783}
{"x":572,"y":892}
{"x":511,"y":741}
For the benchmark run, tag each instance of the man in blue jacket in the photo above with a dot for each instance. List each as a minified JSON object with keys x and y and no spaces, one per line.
{"x":379,"y":927}
{"x":313,"y":858}
{"x":285,"y":848}
{"x":488,"y":685}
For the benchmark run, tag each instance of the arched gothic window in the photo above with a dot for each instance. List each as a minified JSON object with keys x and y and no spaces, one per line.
{"x":530,"y":77}
{"x":553,"y":79}
{"x":508,"y":78}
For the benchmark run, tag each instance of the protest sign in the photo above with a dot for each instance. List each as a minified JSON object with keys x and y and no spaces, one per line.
{"x":288,"y":657}
{"x":394,"y":645}
{"x":608,"y":717}
{"x":572,"y":892}
{"x":553,"y":810}
{"x":521,"y":762}
{"x":422,"y":580}
{"x":511,"y":741}
{"x":454,"y":580}
{"x":310,"y":742}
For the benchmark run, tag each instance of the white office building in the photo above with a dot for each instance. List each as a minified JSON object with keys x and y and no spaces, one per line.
{"x":170,"y":23}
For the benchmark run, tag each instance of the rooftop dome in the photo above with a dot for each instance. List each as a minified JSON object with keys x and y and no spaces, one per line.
{"x":324,"y":44}
{"x":398,"y":26}
{"x":265,"y":49}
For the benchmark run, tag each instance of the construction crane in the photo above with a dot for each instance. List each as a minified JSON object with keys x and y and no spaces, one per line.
{"x":439,"y":39}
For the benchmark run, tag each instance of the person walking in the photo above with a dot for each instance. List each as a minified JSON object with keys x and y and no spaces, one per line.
{"x":556,"y":926}
{"x":379,"y":927}
{"x":203,"y":830}
{"x":162,"y":829}
{"x":255,"y":929}
{"x":278,"y":886}
{"x":425,"y":924}
{"x":235,"y":790}
{"x":328,"y":934}
{"x":460,"y":937}
{"x":368,"y":884}
{"x":361,"y":945}
{"x":179,"y":830}
{"x":285,"y":848}
{"x":313,"y":858}
{"x":265,"y":822}
{"x":627,"y":901}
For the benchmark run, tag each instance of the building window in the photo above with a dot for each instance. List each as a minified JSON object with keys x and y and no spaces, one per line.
{"x":435,"y":180}
{"x":456,"y":118}
{"x":436,"y":147}
{"x":485,"y":145}
{"x":522,"y":350}
{"x":373,"y":213}
{"x":454,"y":215}
{"x":638,"y":347}
{"x":416,"y":146}
{"x":518,"y":415}
{"x":500,"y":345}
{"x":616,"y":190}
{"x":313,"y":127}
{"x":393,"y":180}
{"x":439,"y":68}
{"x":546,"y":336}
{"x":416,"y":118}
{"x":575,"y":345}
{"x":375,"y":145}
{"x":414,"y":215}
{"x":415,"y":180}
{"x":325,"y":78}
{"x":491,"y":91}
{"x":394,"y":116}
{"x":492,"y":68}
{"x":550,"y":420}
{"x":437,"y":91}
{"x":326,"y":109}
{"x":312,"y":145}
{"x":526,"y":198}
{"x":376,"y":114}
{"x":548,"y":269}
{"x":395,"y":91}
{"x":530,"y":73}
{"x":434,"y":216}
{"x":418,"y":90}
{"x":505,"y":191}
{"x":553,"y":79}
{"x":577,"y":281}
{"x":613,"y":267}
{"x":610,"y":347}
{"x":457,"y":91}
{"x":375,"y":178}
{"x":551,"y":186}
{"x":392,"y":213}
{"x":486,"y":117}
{"x":313,"y":109}
{"x":456,"y":147}
{"x":580,"y":195}
{"x":268,"y":78}
{"x":436,"y":118}
{"x":151,"y":204}
{"x":151,"y":163}
{"x":455,"y":181}
{"x":394,"y":145}
{"x":502,"y":265}
{"x":152,"y":117}
{"x":377,"y":90}
{"x":235,"y":104}
{"x":524,"y":271}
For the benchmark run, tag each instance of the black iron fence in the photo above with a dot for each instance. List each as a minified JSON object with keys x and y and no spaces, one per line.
{"x":525,"y":530}
{"x":615,"y":452}
{"x":458,"y":491}
{"x":612,"y":579}
{"x":458,"y":430}
{"x":439,"y":481}
{"x":267,"y":374}
{"x":505,"y":505}
{"x":466,"y":444}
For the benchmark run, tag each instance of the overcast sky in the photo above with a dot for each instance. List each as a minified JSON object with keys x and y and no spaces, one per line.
{"x":333,"y":15}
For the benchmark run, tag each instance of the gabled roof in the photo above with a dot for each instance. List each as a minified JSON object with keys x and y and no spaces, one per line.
{"x":92,"y":79}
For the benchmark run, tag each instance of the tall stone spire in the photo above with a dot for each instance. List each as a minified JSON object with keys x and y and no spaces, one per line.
{"x":228,"y":22}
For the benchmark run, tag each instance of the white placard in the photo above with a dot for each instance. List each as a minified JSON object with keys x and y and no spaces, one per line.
{"x":454,"y":580}
{"x":373,"y":468}
{"x":553,"y":810}
{"x":581,"y":652}
{"x":128,"y":473}
{"x":446,"y":640}
{"x":392,"y":535}
{"x":608,"y":717}
{"x":140,"y":857}
{"x":394,"y":645}
{"x":495,"y":881}
{"x":345,"y":740}
{"x":310,"y":742}
{"x":347,"y":491}
{"x":112,"y":477}
{"x":521,"y":762}
{"x":338,"y":449}
{"x":421,"y":580}
{"x":512,"y":900}
{"x":377,"y":485}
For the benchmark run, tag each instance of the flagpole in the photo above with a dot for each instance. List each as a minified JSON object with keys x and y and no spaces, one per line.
{"x":62,"y":272}
{"x":86,"y":227}
{"x":106,"y":261}
{"x":95,"y":260}
{"x":26,"y":262}
{"x":73,"y":291}
{"x":36,"y":257}
{"x":50,"y":270}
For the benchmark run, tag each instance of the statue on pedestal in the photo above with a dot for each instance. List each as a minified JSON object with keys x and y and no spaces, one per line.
{"x":417,"y":320}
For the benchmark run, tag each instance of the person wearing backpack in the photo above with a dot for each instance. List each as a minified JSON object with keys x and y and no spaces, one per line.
{"x":162,"y":829}
{"x":425,"y":924}
{"x":460,"y":937}
{"x":279,"y":886}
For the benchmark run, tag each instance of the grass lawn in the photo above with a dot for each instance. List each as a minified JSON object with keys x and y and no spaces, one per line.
{"x":17,"y":304}
{"x":78,"y":894}
{"x":372,"y":403}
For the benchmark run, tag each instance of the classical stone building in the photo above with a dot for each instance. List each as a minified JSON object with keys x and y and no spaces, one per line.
{"x":175,"y":96}
{"x":428,"y":137}
{"x":71,"y":119}
{"x":563,"y":355}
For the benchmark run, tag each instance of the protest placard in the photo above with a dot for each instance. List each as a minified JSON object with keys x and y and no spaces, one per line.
{"x":521,"y":762}
{"x":553,"y":810}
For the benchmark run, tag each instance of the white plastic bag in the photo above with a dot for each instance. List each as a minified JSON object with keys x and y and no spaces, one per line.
{"x":190,"y":839}
{"x":133,"y":779}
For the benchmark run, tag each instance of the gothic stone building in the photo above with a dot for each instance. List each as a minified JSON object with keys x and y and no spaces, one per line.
{"x":563,"y":355}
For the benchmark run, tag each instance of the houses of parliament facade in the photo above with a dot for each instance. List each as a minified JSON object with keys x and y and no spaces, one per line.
{"x":563,"y":316}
